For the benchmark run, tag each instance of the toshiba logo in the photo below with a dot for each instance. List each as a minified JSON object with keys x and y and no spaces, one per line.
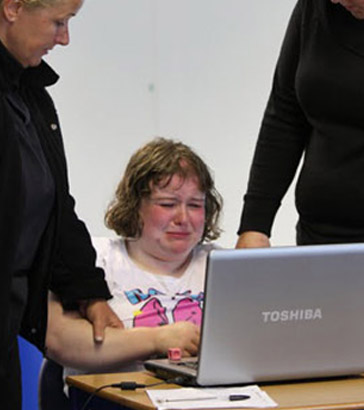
{"x":292,"y":315}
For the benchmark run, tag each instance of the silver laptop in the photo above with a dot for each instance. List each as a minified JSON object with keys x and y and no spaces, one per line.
{"x":278,"y":314}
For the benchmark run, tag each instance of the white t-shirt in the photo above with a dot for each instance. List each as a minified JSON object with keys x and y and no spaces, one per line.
{"x":141,"y":298}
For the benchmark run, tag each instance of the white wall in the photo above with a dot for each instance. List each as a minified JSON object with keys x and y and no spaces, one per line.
{"x":195,"y":70}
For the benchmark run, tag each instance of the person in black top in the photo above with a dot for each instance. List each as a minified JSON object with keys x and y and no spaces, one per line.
{"x":43,"y":245}
{"x":314,"y":112}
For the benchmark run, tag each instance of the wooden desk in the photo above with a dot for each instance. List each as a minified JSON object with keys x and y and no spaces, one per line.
{"x":336,"y":394}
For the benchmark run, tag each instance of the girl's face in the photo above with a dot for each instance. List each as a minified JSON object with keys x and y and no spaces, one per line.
{"x":355,"y":7}
{"x":173,"y":219}
{"x":32,"y":32}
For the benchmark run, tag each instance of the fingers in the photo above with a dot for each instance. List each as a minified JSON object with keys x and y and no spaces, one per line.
{"x":99,"y":313}
{"x":117,"y":323}
{"x":98,"y":328}
{"x":190,"y":349}
{"x":192,"y":343}
{"x":195,"y":345}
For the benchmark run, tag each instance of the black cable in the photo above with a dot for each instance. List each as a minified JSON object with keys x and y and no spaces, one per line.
{"x":92,"y":395}
{"x":129,"y":386}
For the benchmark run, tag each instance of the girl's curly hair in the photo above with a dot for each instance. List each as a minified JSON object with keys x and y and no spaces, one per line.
{"x":153,"y":164}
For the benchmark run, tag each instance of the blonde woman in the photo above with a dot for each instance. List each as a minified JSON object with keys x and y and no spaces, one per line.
{"x":42,"y":242}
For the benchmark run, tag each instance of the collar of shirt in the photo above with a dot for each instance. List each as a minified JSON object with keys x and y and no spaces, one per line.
{"x":12,"y":73}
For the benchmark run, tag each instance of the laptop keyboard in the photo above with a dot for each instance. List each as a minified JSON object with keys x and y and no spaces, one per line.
{"x":188,"y":363}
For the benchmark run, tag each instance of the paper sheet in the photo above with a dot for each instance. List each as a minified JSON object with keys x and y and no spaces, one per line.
{"x":214,"y":398}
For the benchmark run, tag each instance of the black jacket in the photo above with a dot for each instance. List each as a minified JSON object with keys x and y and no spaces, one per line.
{"x":65,"y":259}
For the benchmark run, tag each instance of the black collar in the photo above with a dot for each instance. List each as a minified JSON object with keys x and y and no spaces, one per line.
{"x":12,"y":73}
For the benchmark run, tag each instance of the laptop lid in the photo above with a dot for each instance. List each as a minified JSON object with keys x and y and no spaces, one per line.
{"x":282,"y":313}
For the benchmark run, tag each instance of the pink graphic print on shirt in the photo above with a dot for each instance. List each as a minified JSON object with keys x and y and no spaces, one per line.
{"x":151,"y":314}
{"x":188,"y":310}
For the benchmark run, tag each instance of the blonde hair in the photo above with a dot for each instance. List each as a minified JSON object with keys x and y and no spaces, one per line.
{"x":153,"y":164}
{"x":37,"y":3}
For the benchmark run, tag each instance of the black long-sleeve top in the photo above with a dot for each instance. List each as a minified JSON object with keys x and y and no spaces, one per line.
{"x":315,"y":111}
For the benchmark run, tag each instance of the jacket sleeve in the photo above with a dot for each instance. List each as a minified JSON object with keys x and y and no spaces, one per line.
{"x":282,"y":138}
{"x":74,"y":275}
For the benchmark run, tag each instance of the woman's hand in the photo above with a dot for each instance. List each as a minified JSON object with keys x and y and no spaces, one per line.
{"x":100,"y":315}
{"x":253,"y":239}
{"x":184,"y":335}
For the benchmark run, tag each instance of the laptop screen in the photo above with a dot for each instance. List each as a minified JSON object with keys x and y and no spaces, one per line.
{"x":282,"y":313}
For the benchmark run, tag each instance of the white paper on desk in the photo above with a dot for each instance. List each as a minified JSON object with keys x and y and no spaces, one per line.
{"x":212,"y":398}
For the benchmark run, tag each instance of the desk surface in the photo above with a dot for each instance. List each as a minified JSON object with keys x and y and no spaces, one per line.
{"x":335,"y":394}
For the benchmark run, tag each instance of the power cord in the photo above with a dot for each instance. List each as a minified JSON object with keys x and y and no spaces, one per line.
{"x":129,"y":386}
